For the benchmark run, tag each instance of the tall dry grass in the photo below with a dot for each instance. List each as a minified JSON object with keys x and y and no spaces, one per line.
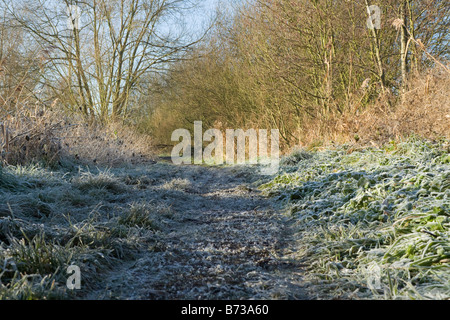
{"x":48,"y":135}
{"x":424,"y":112}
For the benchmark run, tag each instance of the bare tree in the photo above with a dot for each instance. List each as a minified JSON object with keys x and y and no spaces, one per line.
{"x":404,"y":45}
{"x":95,"y":63}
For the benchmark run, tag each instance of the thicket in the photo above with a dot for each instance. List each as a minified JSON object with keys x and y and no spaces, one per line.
{"x":315,"y":71}
{"x":70,"y":74}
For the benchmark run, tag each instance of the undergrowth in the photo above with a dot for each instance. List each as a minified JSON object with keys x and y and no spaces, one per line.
{"x":50,"y":220}
{"x":372,"y":223}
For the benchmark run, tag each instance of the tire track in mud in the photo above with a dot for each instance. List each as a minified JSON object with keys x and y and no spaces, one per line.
{"x":224,"y":241}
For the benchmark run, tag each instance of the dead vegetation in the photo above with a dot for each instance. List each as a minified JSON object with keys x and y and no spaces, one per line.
{"x":40,"y":135}
{"x":425,"y":112}
{"x":50,"y":220}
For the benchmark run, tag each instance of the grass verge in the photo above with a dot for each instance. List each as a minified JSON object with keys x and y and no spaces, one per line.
{"x":50,"y":220}
{"x":371,"y":223}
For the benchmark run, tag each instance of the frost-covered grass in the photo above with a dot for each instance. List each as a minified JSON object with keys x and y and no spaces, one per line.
{"x":371,"y":223}
{"x":50,"y":220}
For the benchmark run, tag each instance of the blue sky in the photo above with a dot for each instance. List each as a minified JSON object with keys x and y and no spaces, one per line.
{"x":197,"y":19}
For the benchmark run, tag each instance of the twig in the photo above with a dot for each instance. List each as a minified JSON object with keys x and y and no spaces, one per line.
{"x":428,"y":232}
{"x":422,"y":46}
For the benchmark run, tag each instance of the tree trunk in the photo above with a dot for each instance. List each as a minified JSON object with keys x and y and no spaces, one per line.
{"x":415,"y":63}
{"x":376,"y":52}
{"x":404,"y":47}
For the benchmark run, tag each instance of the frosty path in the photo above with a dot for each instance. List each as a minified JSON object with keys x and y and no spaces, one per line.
{"x":223,"y":241}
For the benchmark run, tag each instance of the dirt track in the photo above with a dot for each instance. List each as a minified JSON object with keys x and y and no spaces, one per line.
{"x":223,"y":241}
